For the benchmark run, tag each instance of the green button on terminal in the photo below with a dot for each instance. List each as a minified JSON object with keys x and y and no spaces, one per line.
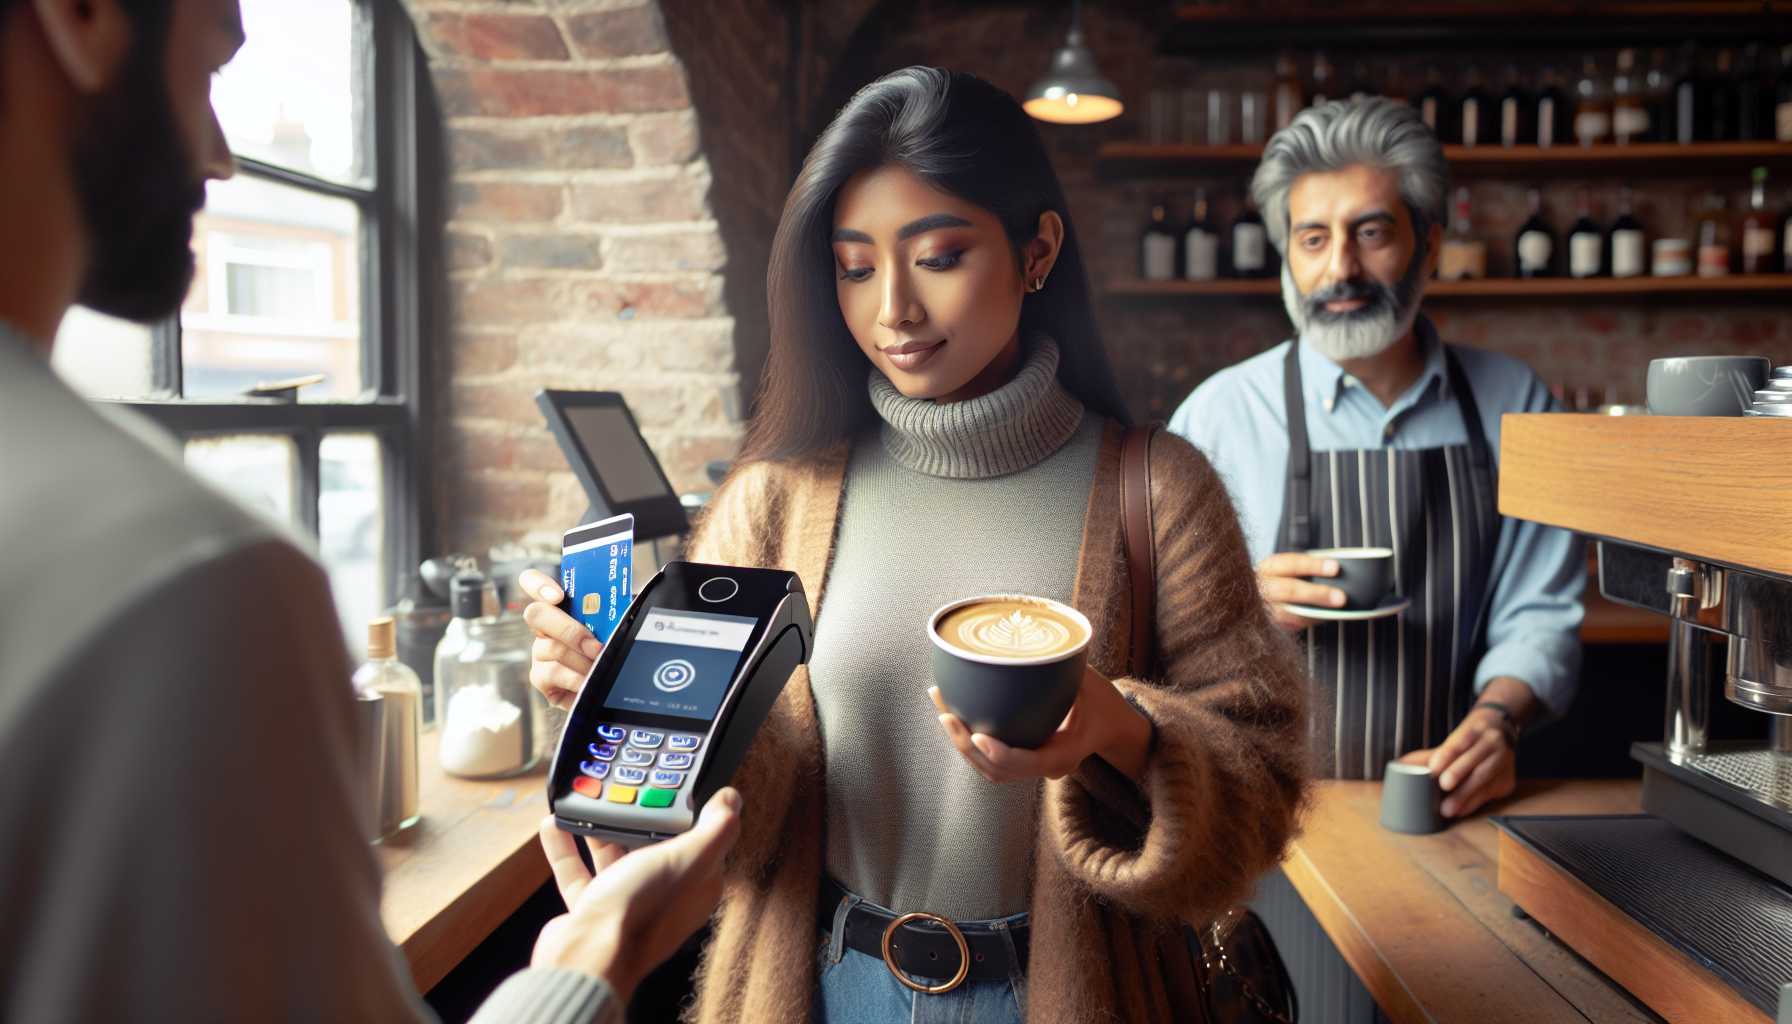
{"x":657,"y":797}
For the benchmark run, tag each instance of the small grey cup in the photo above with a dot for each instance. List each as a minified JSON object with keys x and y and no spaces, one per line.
{"x":1411,"y":800}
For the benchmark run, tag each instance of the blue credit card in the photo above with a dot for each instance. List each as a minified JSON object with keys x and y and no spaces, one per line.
{"x":597,"y":563}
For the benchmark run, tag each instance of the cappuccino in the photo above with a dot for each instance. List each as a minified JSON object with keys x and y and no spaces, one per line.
{"x":1016,"y":628}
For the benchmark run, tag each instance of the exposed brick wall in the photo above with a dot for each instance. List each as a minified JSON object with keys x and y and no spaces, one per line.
{"x":602,"y":234}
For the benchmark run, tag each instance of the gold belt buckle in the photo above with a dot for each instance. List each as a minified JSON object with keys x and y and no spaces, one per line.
{"x":964,"y":954}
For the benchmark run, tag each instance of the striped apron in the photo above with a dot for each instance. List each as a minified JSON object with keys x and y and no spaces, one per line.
{"x":1388,"y":686}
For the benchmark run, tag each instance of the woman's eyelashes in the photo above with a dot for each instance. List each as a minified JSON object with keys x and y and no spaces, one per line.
{"x":940,"y":262}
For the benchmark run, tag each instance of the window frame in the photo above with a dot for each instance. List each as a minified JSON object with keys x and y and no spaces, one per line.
{"x":396,"y":309}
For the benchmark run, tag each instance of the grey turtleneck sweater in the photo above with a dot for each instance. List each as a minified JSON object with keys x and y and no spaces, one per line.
{"x":947,"y":501}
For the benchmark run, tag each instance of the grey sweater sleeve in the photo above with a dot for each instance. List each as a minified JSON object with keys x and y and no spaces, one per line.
{"x":552,"y":996}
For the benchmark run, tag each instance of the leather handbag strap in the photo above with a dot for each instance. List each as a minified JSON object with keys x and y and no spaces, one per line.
{"x":1141,"y":556}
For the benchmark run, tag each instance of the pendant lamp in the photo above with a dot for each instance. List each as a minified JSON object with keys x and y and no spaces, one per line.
{"x":1073,"y":90}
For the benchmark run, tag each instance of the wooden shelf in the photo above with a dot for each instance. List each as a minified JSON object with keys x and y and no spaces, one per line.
{"x":1715,"y":488}
{"x":1656,"y":159}
{"x":1773,"y":285}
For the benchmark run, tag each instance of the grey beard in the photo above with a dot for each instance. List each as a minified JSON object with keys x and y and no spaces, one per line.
{"x":1363,"y":334}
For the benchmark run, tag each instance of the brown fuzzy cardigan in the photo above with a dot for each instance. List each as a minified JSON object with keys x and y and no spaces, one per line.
{"x":1226,"y":778}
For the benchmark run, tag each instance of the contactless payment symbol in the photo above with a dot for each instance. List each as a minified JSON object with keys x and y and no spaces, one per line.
{"x":674,"y":675}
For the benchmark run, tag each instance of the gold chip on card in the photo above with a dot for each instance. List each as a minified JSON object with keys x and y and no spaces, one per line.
{"x":591,"y":603}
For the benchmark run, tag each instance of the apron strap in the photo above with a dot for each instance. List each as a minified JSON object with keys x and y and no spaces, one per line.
{"x":1297,"y":528}
{"x":1471,"y":412}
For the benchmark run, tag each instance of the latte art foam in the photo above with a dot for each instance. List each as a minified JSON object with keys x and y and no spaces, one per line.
{"x":1010,"y":629}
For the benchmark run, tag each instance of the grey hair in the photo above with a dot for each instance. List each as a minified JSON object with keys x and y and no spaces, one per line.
{"x":1373,"y":130}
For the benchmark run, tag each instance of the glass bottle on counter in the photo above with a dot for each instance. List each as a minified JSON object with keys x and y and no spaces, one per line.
{"x":1628,"y":244}
{"x":1630,"y":115}
{"x":1592,"y":107}
{"x":1250,"y":243}
{"x":1586,"y":242}
{"x":402,"y":695}
{"x":1553,"y":110}
{"x":1782,"y":97}
{"x":1287,"y":92}
{"x":1517,"y":128}
{"x":1158,"y":245}
{"x":1758,"y":229}
{"x":1478,"y":112}
{"x":493,"y":722}
{"x":1534,"y":249}
{"x":1689,"y":99}
{"x":1713,"y":238}
{"x":1435,"y":106}
{"x":1200,"y":243}
{"x":467,"y":603}
{"x":422,"y":619}
{"x":1463,"y":256}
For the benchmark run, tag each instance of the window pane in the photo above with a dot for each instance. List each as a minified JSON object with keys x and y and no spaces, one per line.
{"x":294,"y":95}
{"x":103,"y":356}
{"x":351,"y":526}
{"x":277,"y":292}
{"x":259,"y":470}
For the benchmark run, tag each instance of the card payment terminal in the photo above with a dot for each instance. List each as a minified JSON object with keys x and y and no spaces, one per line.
{"x":675,"y":699}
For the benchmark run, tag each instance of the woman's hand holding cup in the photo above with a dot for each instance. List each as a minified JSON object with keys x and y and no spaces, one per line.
{"x":1094,"y":726}
{"x":564,"y":649}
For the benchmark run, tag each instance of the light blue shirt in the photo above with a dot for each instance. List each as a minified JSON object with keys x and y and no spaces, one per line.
{"x":1533,"y":598}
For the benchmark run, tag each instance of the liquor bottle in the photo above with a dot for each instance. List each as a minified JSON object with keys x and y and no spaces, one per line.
{"x":1754,"y":96}
{"x":1158,"y":246}
{"x":1630,"y":116}
{"x":1758,"y":229}
{"x":1535,"y":246}
{"x":1516,"y":125}
{"x":1200,"y":243}
{"x":1586,"y":243}
{"x":1721,"y":100}
{"x":1592,"y":107}
{"x":1553,"y":111}
{"x":1250,"y":243}
{"x":1689,"y":99}
{"x":1782,"y":97}
{"x":1287,"y":93}
{"x":1323,"y":89}
{"x":1628,"y":245}
{"x":1463,"y":255}
{"x":1658,"y":90}
{"x":1479,"y":113}
{"x":1435,"y":106}
{"x":1713,"y":238}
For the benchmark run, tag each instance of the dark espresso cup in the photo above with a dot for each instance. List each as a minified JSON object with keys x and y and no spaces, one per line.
{"x":1009,"y":665}
{"x":1365,"y":575}
{"x":1411,"y":799}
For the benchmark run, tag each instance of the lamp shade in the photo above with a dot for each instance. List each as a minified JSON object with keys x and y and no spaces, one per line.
{"x":1073,"y":91}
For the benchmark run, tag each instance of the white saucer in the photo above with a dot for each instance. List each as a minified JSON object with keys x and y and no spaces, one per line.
{"x":1392,"y":606}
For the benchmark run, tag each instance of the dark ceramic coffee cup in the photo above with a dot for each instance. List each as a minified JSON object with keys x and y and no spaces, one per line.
{"x":1365,"y":575}
{"x":1009,"y":665}
{"x":1411,"y":799}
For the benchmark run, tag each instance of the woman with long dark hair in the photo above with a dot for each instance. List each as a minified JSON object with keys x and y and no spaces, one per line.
{"x":938,"y":419}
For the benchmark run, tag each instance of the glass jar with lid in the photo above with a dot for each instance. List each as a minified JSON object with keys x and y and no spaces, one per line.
{"x":493,"y":722}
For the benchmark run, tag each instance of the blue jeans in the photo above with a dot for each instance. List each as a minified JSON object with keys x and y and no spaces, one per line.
{"x":857,"y":988}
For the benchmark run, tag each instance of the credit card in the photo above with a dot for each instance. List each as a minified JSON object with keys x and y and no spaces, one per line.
{"x":596,"y":571}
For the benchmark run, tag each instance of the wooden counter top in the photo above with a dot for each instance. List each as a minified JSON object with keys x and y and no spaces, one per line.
{"x":468,"y":865}
{"x":1422,"y":922}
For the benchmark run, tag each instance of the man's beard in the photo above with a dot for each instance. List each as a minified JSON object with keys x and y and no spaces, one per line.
{"x":1385,"y":316}
{"x":137,"y":190}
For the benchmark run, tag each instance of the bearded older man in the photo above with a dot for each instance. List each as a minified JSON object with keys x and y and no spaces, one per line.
{"x":1366,"y":430}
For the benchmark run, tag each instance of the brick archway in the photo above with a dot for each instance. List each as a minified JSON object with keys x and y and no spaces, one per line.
{"x":601,"y":233}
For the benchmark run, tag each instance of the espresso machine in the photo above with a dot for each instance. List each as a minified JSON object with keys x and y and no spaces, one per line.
{"x":1731,"y":630}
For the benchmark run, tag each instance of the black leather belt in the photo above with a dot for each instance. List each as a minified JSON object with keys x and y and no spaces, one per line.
{"x":927,"y":945}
